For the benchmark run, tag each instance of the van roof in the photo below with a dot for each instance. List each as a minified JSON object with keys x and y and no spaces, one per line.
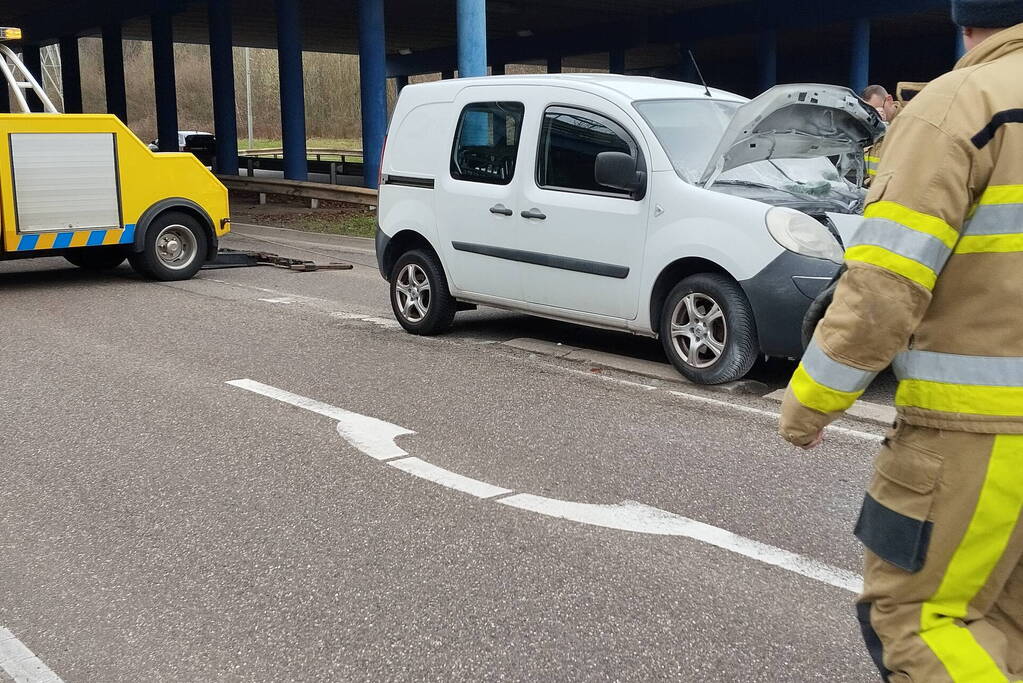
{"x":629,"y":88}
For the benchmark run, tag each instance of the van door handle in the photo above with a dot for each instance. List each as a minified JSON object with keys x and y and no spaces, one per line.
{"x":501,"y":210}
{"x":535,"y":214}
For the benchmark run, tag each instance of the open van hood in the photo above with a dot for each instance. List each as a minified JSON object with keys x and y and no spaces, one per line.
{"x":799,"y":121}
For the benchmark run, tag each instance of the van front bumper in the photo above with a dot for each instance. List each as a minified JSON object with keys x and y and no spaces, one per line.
{"x":781,"y":294}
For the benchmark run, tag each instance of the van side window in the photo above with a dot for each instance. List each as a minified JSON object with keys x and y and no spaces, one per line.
{"x":570,"y":140}
{"x":487,"y":142}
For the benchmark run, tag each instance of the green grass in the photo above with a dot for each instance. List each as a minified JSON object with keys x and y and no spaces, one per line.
{"x":350,"y":226}
{"x":335,"y":143}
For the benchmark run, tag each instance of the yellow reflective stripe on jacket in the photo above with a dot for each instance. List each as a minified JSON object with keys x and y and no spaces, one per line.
{"x":819,"y":397}
{"x":873,"y":163}
{"x":982,"y":547}
{"x":916,"y":262}
{"x":914,"y":220}
{"x":995,"y":225}
{"x":896,"y":263}
{"x":960,"y":398}
{"x":1002,"y":194}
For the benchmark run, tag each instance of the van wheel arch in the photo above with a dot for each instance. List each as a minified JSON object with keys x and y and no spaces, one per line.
{"x":176,"y":204}
{"x":672,"y":274}
{"x":403,"y":242}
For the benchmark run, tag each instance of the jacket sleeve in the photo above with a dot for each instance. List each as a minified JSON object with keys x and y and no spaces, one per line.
{"x":915,"y":210}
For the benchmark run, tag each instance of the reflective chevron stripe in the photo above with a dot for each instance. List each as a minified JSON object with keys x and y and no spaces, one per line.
{"x":79,"y":238}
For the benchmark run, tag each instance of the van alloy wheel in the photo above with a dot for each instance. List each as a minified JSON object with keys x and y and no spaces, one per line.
{"x":699,"y":330}
{"x":412,"y":293}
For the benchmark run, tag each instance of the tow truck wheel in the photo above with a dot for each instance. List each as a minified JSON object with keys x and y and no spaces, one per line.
{"x":96,"y":258}
{"x":175,"y":248}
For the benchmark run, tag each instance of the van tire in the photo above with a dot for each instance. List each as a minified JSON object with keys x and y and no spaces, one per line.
{"x":96,"y":258}
{"x":734,"y":330}
{"x":439,"y":310}
{"x":169,"y":232}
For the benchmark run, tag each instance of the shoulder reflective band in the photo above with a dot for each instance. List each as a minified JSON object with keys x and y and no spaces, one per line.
{"x":872,"y":165}
{"x":909,"y":243}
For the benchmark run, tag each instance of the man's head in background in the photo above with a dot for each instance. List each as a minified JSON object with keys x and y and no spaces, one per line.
{"x":878,"y":98}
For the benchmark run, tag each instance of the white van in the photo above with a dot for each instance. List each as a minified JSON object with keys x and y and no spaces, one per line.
{"x":637,"y":204}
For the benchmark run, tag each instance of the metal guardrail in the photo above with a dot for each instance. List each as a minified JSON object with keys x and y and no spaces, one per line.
{"x":274,"y":161}
{"x":295,"y":188}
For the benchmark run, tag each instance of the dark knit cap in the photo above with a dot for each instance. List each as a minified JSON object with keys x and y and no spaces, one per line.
{"x":987,"y":13}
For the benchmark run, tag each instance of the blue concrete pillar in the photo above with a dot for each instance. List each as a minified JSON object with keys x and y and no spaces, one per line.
{"x":960,"y":45}
{"x":498,"y":69}
{"x":162,"y":31}
{"x":225,"y":115}
{"x":768,"y":48}
{"x":113,"y":71}
{"x":31,"y":56}
{"x":289,"y":60}
{"x":472,"y":38}
{"x":373,"y":78}
{"x":616,"y":61}
{"x":71,"y":74}
{"x":859,"y":76}
{"x":400,"y":82}
{"x":554,"y":64}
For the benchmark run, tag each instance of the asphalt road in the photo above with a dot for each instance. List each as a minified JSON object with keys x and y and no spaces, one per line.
{"x":159,"y":524}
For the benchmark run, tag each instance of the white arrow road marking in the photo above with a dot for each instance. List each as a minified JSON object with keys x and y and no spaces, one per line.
{"x":631,"y":516}
{"x":19,"y":662}
{"x":375,"y":438}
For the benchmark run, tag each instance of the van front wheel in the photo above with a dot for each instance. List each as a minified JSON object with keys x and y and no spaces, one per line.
{"x":420,"y":298}
{"x":708,"y":330}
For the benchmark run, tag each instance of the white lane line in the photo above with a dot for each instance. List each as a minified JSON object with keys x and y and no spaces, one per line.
{"x":866,"y":436}
{"x":369,"y":434}
{"x":279,"y":300}
{"x":373,"y":437}
{"x":20,"y":663}
{"x":643,"y":519}
{"x":452,"y":480}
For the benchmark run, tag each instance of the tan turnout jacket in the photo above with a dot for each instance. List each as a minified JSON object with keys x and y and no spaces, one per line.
{"x":934,"y":283}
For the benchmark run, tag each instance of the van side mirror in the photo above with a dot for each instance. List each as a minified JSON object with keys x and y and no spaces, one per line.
{"x":620,"y":171}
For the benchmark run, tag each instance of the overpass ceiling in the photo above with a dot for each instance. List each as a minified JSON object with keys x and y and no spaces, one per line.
{"x":330,"y":26}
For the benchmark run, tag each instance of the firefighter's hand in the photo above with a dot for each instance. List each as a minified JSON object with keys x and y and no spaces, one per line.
{"x":817,"y":441}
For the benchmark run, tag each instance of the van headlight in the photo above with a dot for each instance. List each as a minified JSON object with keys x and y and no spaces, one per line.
{"x":802,"y":234}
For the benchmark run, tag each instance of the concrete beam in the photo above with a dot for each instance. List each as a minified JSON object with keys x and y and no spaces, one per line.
{"x":113,"y":71}
{"x":71,"y":75}
{"x":859,"y":68}
{"x":373,"y":79}
{"x":225,"y":115}
{"x":472,"y":38}
{"x":162,"y":27}
{"x":289,"y":58}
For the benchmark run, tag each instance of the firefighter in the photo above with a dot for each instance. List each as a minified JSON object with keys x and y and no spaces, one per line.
{"x":888,"y":107}
{"x":934,"y":286}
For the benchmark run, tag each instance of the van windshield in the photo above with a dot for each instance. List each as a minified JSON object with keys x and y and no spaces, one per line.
{"x":690,"y":131}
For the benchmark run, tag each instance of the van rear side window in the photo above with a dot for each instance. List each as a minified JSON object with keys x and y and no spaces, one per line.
{"x":487,"y":142}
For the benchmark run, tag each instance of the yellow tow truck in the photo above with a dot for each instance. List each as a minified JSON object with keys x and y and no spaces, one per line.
{"x":84,"y":187}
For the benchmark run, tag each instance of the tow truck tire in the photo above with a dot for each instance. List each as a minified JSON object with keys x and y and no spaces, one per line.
{"x":175,"y":249}
{"x":96,"y":258}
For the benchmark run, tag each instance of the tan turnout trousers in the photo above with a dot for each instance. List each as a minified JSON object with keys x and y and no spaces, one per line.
{"x":943,"y":596}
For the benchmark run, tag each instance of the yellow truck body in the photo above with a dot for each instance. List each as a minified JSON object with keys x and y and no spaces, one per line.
{"x":71,"y":182}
